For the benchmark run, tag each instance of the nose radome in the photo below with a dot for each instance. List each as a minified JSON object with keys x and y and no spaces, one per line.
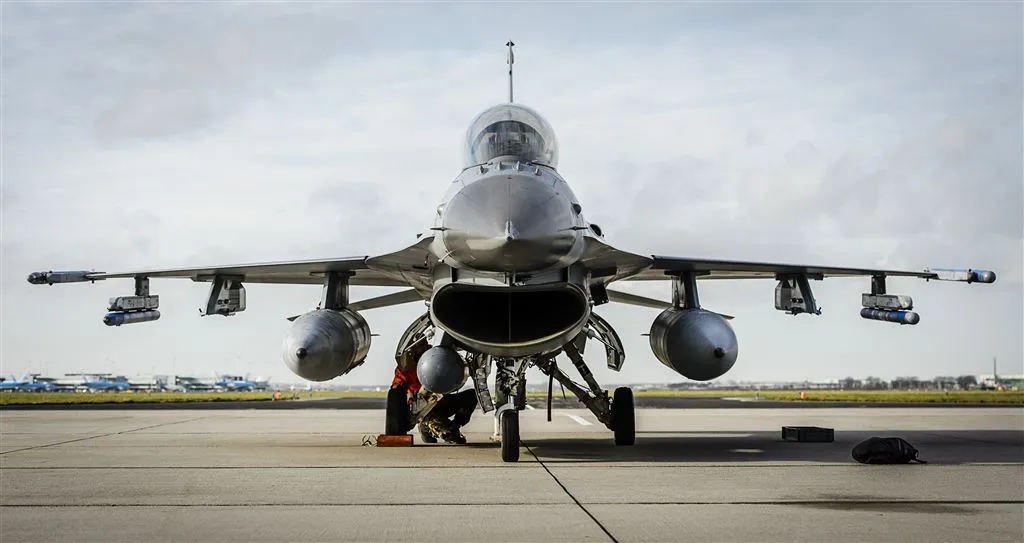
{"x":509,"y":223}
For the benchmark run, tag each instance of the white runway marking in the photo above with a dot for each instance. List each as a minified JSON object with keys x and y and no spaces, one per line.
{"x":578,"y":420}
{"x":530,"y":407}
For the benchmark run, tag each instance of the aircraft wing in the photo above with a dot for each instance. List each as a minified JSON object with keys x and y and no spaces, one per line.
{"x":403,"y":268}
{"x":666,"y":266}
{"x":614,"y":265}
{"x":297,"y":272}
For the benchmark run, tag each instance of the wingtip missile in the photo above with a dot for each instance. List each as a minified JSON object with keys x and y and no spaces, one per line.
{"x":966,"y":275}
{"x":51,"y":277}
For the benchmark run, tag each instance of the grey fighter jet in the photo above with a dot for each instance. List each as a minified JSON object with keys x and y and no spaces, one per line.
{"x":511,"y":274}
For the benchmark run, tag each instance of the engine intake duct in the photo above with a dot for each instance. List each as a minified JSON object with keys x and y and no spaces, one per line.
{"x":511,"y":321}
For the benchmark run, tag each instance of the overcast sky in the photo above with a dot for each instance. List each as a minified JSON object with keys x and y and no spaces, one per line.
{"x":167,"y":135}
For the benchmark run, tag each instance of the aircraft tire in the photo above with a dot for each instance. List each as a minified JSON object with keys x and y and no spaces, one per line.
{"x":510,"y":436}
{"x":623,"y":416}
{"x":396,"y":415}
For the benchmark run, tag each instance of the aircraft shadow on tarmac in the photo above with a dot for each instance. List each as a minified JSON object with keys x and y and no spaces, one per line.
{"x":936,"y":447}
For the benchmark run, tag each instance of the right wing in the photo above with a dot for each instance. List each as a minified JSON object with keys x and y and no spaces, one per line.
{"x":294,"y":272}
{"x":404,"y":268}
{"x":408,"y":267}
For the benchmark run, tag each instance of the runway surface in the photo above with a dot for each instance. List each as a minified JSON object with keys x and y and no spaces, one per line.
{"x":653,"y":402}
{"x":694,"y":475}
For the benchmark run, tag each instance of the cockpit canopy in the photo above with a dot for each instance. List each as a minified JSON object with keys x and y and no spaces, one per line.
{"x":511,"y":130}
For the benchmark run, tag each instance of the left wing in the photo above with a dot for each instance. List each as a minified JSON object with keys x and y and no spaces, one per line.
{"x":663,"y":266}
{"x":621,"y":265}
{"x":792,"y":294}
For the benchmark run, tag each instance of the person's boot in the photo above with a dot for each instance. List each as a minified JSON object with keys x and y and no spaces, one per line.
{"x":432,"y":429}
{"x":425,"y":433}
{"x":451,"y":434}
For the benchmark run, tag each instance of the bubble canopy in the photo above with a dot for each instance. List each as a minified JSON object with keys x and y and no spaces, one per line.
{"x":511,"y":130}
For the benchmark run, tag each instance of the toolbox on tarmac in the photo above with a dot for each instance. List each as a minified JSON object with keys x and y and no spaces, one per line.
{"x":812,"y":434}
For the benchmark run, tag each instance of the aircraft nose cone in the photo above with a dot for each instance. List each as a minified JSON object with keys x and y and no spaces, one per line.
{"x":509,"y":223}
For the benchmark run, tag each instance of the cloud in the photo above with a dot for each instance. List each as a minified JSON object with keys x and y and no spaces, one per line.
{"x":174,"y":135}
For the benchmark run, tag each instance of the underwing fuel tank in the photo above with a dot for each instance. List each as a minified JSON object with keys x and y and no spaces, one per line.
{"x":323,"y":344}
{"x":441,"y":370}
{"x":697,"y":344}
{"x":117,"y":318}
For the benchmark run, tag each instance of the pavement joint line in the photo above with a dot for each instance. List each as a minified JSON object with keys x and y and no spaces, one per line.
{"x":35,"y":447}
{"x":237,"y":468}
{"x":573,"y":498}
{"x":521,"y":504}
{"x":674,"y":467}
{"x":297,"y":504}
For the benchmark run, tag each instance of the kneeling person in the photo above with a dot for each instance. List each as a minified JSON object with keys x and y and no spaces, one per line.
{"x":446,"y":419}
{"x":452,"y":411}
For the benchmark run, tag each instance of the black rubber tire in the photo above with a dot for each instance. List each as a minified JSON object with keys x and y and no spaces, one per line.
{"x":510,"y":436}
{"x":521,"y":395}
{"x":623,"y":416}
{"x":396,"y":415}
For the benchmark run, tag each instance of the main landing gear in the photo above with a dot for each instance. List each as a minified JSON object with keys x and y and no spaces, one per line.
{"x":616,"y":412}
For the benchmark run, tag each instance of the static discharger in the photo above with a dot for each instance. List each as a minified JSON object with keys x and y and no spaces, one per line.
{"x":394,"y":441}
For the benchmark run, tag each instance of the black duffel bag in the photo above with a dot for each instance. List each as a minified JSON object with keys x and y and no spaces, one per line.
{"x":885,"y":450}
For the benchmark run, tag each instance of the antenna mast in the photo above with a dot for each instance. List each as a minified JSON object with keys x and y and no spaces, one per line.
{"x":511,"y":59}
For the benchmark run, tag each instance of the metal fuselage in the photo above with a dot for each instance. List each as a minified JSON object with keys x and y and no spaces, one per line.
{"x":508,"y":237}
{"x":509,"y":216}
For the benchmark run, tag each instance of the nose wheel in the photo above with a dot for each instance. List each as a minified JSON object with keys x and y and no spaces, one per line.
{"x":510,"y":435}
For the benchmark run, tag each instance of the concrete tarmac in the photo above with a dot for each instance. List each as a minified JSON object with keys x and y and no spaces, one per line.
{"x":693,"y":475}
{"x":641,"y":401}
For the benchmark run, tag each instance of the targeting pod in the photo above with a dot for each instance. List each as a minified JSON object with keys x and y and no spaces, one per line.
{"x":902,"y":317}
{"x":51,"y":277}
{"x":117,"y":318}
{"x":892,"y":302}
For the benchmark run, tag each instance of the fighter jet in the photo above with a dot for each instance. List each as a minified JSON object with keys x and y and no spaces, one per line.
{"x":511,"y":274}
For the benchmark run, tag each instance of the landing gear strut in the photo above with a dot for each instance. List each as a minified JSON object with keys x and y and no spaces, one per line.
{"x":510,"y":393}
{"x":616,"y":413}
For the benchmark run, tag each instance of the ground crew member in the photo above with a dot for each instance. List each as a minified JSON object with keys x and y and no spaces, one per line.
{"x":439,"y":422}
